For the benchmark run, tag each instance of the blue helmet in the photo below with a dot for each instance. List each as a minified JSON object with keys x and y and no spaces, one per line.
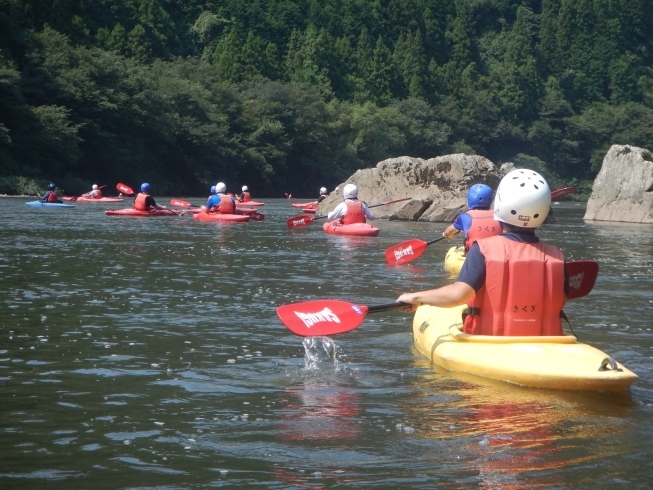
{"x":479,"y":196}
{"x":51,"y":187}
{"x":212,"y":189}
{"x":145,"y":187}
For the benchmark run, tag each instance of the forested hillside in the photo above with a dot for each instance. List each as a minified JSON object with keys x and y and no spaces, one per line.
{"x":290,"y":95}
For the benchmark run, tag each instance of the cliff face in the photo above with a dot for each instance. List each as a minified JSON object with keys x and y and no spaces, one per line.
{"x":623,"y":189}
{"x":438,"y":186}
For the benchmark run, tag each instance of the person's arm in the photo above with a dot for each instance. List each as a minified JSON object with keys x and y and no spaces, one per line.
{"x":448,"y":296}
{"x":321,"y":198}
{"x":455,"y":227}
{"x":366,"y":211}
{"x":337,"y":213}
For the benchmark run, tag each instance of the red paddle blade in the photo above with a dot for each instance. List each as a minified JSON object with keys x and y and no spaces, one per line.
{"x":405,"y":252}
{"x":257,"y":216}
{"x":562,"y":192}
{"x":124,"y":189}
{"x":321,"y":317}
{"x":181,"y":204}
{"x":299,"y":222}
{"x":582,"y":276}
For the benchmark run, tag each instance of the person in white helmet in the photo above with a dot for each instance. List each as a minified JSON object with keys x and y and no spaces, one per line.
{"x":221,"y":202}
{"x":323,"y":195}
{"x":351,"y":210}
{"x":513,"y":283}
{"x":245,"y":195}
{"x":95,"y":193}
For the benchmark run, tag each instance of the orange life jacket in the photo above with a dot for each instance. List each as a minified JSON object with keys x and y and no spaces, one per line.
{"x":139,"y":202}
{"x":523,"y":292}
{"x":52,"y":197}
{"x":483,"y":226}
{"x":246,"y":197}
{"x":354,"y":213}
{"x":226,"y":205}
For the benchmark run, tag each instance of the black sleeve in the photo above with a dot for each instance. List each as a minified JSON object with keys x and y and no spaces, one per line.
{"x":149,"y":201}
{"x":321,"y":198}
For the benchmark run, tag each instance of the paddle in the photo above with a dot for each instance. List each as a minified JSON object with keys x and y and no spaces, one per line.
{"x":305,"y":220}
{"x":330,"y":317}
{"x":256,"y":216}
{"x":183,"y":204}
{"x":407,"y":251}
{"x":327,"y":317}
{"x":125,"y":189}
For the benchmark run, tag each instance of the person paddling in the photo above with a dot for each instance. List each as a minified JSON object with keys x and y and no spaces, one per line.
{"x":221,"y":202}
{"x":323,"y":195}
{"x":245,"y":196}
{"x":144,"y":202}
{"x":351,"y":210}
{"x":478,"y":222}
{"x":95,"y":193}
{"x":513,"y":283}
{"x":50,"y":195}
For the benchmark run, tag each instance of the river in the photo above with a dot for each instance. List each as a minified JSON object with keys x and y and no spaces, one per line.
{"x":146,"y":353}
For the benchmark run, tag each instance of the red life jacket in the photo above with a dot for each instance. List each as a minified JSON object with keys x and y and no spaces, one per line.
{"x":226,"y":205}
{"x":139,"y":202}
{"x":246,"y":197}
{"x":354,"y":213}
{"x":523,"y":292}
{"x":52,"y":197}
{"x":483,"y":226}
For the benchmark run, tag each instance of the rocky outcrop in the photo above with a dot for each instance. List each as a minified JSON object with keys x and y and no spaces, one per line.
{"x":438,"y":186}
{"x":623,"y":189}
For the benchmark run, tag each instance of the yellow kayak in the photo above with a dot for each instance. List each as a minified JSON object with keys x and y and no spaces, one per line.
{"x":454,"y":259}
{"x":559,"y":363}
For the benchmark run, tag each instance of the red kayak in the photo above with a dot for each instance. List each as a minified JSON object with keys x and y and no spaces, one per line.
{"x":304,"y":204}
{"x":355,"y":229}
{"x":239,"y":210}
{"x":90,"y":199}
{"x":130,"y":212}
{"x":249,"y":203}
{"x":232,"y":218}
{"x":309,"y":210}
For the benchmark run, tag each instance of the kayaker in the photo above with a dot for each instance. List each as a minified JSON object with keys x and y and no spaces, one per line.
{"x":50,"y":195}
{"x":323,"y":195}
{"x":221,"y":202}
{"x":351,"y":210}
{"x":245,"y":196}
{"x":513,"y":283}
{"x":95,"y":193}
{"x":478,"y":222}
{"x":212,"y":191}
{"x":144,"y":202}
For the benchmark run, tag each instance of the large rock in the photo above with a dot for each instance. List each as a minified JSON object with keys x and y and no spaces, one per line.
{"x":623,"y":189}
{"x":438,"y":186}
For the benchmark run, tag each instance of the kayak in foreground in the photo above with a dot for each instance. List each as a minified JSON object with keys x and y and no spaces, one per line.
{"x":454,"y":259}
{"x":90,"y":199}
{"x":233,"y":218}
{"x":355,"y":229}
{"x":130,"y":212}
{"x":552,"y":362}
{"x":39,"y":204}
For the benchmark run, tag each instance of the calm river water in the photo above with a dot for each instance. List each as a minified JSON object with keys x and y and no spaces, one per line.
{"x":146,"y":353}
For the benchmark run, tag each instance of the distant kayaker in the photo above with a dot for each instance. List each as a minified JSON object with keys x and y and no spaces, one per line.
{"x":95,"y":193}
{"x":478,"y":222}
{"x":221,"y":202}
{"x":351,"y":210}
{"x":513,"y":283}
{"x":144,"y":202}
{"x":50,"y":195}
{"x":323,"y":195}
{"x":245,"y":196}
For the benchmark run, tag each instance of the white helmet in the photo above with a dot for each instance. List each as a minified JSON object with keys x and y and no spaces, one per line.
{"x":220,"y":188}
{"x":523,"y":199}
{"x":94,"y":187}
{"x":350,"y":191}
{"x":245,"y":189}
{"x":322,"y":190}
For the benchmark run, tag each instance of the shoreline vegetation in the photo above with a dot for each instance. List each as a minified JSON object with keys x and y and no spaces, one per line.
{"x":292,"y":96}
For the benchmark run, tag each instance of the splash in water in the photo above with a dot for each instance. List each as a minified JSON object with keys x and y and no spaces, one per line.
{"x":320,"y":352}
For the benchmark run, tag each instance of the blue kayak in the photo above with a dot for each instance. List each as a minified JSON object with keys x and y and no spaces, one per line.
{"x":39,"y":204}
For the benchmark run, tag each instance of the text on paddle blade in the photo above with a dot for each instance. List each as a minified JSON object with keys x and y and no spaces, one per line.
{"x":310,"y":319}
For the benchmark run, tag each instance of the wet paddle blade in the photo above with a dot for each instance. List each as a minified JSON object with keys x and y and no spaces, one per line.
{"x":582,"y":276}
{"x":321,"y":317}
{"x":125,"y":189}
{"x":299,"y":222}
{"x":405,"y":252}
{"x":180,"y":203}
{"x":565,"y":191}
{"x":257,"y":216}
